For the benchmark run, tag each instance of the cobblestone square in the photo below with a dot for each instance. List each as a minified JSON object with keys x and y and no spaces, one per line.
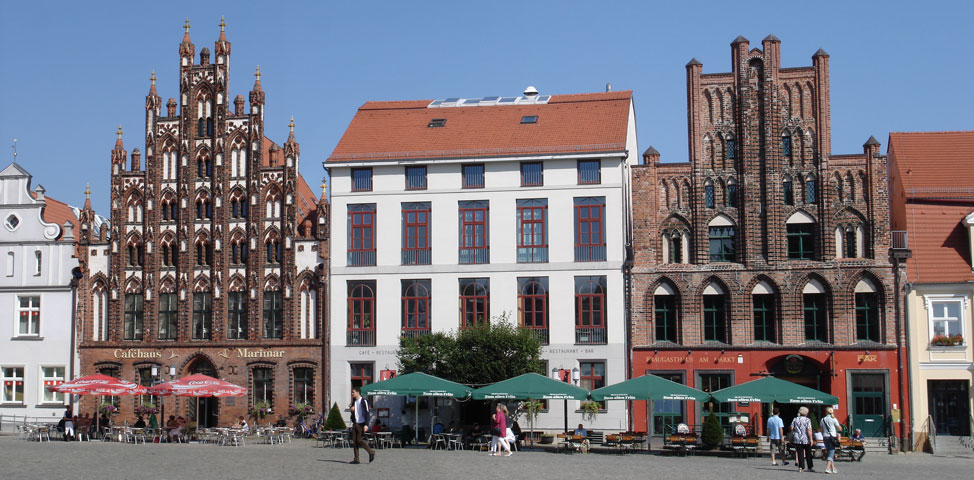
{"x":300,"y":459}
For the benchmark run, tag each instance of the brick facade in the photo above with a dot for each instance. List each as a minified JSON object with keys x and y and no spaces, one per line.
{"x":741,"y":126}
{"x":212,"y":188}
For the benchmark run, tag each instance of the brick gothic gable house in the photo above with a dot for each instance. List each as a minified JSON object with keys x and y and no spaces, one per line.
{"x":765,"y":253}
{"x":212,"y":260}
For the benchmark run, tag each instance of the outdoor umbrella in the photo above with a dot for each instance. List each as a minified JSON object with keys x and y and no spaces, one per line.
{"x":417,"y":384}
{"x":198,"y":385}
{"x":98,"y":384}
{"x":648,"y":387}
{"x":770,"y":389}
{"x":531,"y":386}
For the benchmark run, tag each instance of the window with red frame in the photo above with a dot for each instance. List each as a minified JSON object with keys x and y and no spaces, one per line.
{"x":474,"y":302}
{"x":592,"y":376}
{"x":590,"y":310}
{"x":532,"y":306}
{"x":361,"y":313}
{"x":589,"y":172}
{"x":415,"y":307}
{"x":590,"y":229}
{"x":532,"y":231}
{"x":361,"y":235}
{"x":474,"y":231}
{"x":416,"y":233}
{"x":362,"y":374}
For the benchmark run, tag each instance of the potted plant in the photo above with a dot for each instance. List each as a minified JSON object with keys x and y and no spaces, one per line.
{"x":108,"y":408}
{"x":531,"y":409}
{"x":335,"y":420}
{"x":713,"y":433}
{"x":260,"y":410}
{"x":547,"y":438}
{"x":941,"y":341}
{"x":957,"y":339}
{"x":146,"y":409}
{"x":590,"y":411}
{"x":301,"y":410}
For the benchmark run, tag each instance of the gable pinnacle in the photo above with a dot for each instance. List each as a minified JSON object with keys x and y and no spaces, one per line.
{"x":87,"y":191}
{"x":152,"y":78}
{"x":14,"y":146}
{"x":291,"y":125}
{"x":118,"y":142}
{"x":223,"y":24}
{"x":257,"y":74}
{"x":324,"y":187}
{"x":186,"y":26}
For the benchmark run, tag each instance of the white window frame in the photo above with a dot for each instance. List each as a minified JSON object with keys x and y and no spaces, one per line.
{"x":3,"y":384}
{"x":59,"y":398}
{"x":961,"y":300}
{"x":17,"y":311}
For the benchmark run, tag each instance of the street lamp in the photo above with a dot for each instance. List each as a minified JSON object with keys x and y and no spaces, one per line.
{"x":171,"y":370}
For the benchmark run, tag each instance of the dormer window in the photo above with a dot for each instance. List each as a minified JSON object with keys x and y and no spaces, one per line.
{"x":437,"y":122}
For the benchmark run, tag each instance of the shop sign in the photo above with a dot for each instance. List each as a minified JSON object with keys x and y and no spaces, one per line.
{"x":794,"y":364}
{"x":251,"y":353}
{"x":136,"y":353}
{"x":867,"y":358}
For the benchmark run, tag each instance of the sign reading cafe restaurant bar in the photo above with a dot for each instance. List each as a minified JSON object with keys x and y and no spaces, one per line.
{"x":241,"y":353}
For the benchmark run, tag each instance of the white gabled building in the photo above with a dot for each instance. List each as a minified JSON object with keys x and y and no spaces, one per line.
{"x":449,"y":212}
{"x":37,"y":252}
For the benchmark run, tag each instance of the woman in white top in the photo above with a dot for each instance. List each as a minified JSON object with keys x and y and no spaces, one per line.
{"x":830,"y":432}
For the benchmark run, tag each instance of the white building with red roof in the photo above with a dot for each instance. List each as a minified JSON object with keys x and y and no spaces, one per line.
{"x":36,"y":265}
{"x":932,"y":201}
{"x":452,"y":213}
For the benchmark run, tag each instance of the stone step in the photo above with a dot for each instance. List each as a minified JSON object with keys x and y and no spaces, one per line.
{"x":951,"y":446}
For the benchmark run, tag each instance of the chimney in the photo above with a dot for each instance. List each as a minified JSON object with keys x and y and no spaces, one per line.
{"x":530,"y":91}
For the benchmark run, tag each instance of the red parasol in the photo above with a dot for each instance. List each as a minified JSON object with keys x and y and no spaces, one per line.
{"x":98,"y":384}
{"x":198,"y":385}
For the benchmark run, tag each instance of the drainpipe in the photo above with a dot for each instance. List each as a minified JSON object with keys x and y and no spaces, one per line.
{"x":75,"y":274}
{"x":901,"y":369}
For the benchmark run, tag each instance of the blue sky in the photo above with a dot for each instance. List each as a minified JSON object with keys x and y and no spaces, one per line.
{"x":73,"y":71}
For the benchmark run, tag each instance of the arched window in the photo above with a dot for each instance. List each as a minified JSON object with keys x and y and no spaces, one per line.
{"x":273,"y":247}
{"x":532,"y":306}
{"x":665,"y":314}
{"x":273,"y":314}
{"x":474,"y":302}
{"x":361,"y":313}
{"x":867,"y":312}
{"x":815,"y":311}
{"x":202,"y":315}
{"x":801,"y":236}
{"x":708,"y":189}
{"x":237,"y":314}
{"x":201,"y":127}
{"x":810,"y":190}
{"x":99,"y":313}
{"x":722,"y":240}
{"x":204,"y":253}
{"x":714,"y":314}
{"x":273,"y":206}
{"x":590,"y":310}
{"x":204,"y":209}
{"x":789,"y":191}
{"x":730,"y":199}
{"x":763,"y":304}
{"x":308,"y":310}
{"x":786,"y":146}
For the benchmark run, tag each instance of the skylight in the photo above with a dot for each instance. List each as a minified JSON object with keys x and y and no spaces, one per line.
{"x":437,"y":122}
{"x":529,"y":119}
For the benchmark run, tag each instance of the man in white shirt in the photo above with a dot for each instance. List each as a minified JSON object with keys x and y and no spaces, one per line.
{"x":360,"y":421}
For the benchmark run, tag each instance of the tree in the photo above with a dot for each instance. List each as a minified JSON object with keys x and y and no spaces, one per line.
{"x":334,"y":420}
{"x":713,"y":433}
{"x":474,"y":356}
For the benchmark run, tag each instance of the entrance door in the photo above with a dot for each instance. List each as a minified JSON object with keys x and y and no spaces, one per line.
{"x":209,"y":414}
{"x":869,"y":403}
{"x":949,"y":406}
{"x":667,"y":414}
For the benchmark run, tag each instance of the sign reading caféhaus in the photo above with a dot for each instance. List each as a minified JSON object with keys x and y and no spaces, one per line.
{"x":136,"y":353}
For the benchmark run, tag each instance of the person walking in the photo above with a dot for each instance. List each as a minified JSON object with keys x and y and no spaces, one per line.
{"x":498,"y":429}
{"x":360,"y":420}
{"x":776,"y":435}
{"x":801,"y":430}
{"x":830,"y":432}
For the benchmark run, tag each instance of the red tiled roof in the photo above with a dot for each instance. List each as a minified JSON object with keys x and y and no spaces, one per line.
{"x":58,"y":212}
{"x":567,"y":123}
{"x":940,"y":243}
{"x":934,"y":164}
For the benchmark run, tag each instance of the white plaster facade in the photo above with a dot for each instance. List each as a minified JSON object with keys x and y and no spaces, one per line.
{"x":502,"y":188}
{"x":35,"y":300}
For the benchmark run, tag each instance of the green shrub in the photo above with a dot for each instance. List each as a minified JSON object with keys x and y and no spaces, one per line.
{"x":335,"y":420}
{"x":713,"y":434}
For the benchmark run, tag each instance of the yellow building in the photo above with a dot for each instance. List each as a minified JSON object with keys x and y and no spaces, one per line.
{"x":932,"y":203}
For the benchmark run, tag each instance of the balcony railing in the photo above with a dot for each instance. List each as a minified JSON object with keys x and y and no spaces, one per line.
{"x":899,"y":240}
{"x":360,"y":337}
{"x":414,"y":332}
{"x":363,"y":258}
{"x":590,"y":336}
{"x":416,"y":257}
{"x":538,"y":332}
{"x":532,"y":255}
{"x":474,"y":255}
{"x":590,"y":253}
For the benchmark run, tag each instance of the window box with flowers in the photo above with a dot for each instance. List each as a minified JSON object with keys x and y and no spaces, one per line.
{"x":947,"y":340}
{"x":260,"y":410}
{"x":301,"y":410}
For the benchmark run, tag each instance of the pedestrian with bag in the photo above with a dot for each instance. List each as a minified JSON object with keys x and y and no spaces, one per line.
{"x":801,"y":429}
{"x":498,"y":431}
{"x":360,"y":425}
{"x":830,"y":433}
